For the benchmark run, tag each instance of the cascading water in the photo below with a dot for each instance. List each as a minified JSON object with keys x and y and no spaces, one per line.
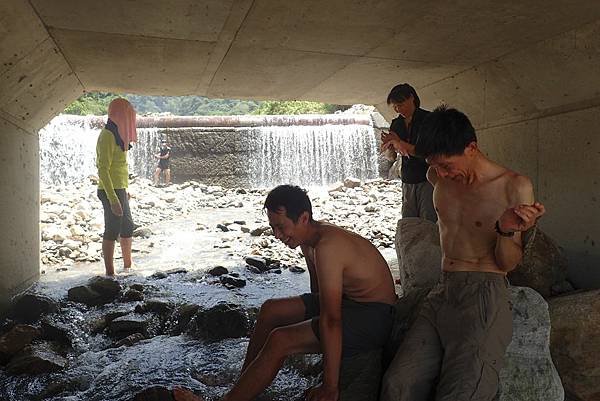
{"x":313,"y":155}
{"x":307,"y":150}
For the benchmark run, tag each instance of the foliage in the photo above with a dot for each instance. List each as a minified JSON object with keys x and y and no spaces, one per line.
{"x":97,"y":104}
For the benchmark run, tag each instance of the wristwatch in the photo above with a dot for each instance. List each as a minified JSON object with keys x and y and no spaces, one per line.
{"x":502,"y":233}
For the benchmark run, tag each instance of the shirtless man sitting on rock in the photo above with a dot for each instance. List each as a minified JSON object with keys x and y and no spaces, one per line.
{"x":456,"y":347}
{"x":348,"y":311}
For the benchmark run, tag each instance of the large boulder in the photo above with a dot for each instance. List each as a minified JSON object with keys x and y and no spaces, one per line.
{"x":544,"y":267}
{"x":98,"y":291}
{"x":36,"y":359}
{"x":529,"y":373}
{"x":575,"y":342}
{"x":419,"y":253}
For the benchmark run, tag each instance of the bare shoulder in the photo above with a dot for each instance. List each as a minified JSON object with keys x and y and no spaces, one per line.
{"x":520,"y":188}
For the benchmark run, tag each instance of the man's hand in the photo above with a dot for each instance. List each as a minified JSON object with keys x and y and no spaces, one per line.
{"x":398,"y":145}
{"x":116,"y":208}
{"x":322,"y":393}
{"x":520,"y":218}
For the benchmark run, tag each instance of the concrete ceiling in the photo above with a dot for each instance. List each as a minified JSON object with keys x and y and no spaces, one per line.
{"x":334,"y":51}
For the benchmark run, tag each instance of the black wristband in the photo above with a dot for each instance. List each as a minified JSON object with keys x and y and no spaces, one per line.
{"x":502,"y":233}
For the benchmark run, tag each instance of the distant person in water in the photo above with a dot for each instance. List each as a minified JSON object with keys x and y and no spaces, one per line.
{"x":163,"y":156}
{"x":111,"y":159}
{"x":348,"y":311}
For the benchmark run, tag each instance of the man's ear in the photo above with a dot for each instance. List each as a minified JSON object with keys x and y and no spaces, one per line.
{"x":304,"y":218}
{"x":471,"y":148}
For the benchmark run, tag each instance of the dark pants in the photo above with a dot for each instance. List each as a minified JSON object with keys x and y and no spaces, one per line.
{"x":115,"y":226}
{"x":417,"y":201}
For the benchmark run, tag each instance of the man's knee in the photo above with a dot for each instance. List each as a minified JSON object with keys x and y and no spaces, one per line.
{"x":278,"y":343}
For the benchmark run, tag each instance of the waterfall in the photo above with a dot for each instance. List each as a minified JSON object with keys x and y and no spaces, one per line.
{"x":320,"y":151}
{"x":313,"y":155}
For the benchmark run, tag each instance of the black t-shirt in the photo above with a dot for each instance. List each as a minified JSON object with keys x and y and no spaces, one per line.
{"x":414,"y":169}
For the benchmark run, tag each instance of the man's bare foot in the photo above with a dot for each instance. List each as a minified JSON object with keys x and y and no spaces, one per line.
{"x":182,"y":394}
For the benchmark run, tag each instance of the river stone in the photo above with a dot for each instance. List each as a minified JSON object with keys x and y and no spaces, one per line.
{"x":419,"y":253}
{"x":132,"y":295}
{"x":220,"y":322}
{"x":15,"y":340}
{"x":36,"y":359}
{"x":575,"y":342}
{"x":29,"y":307}
{"x":529,"y":373}
{"x":130,"y":340}
{"x":55,"y":330}
{"x":352,"y":182}
{"x":544,"y":267}
{"x":129,"y":324}
{"x":230,"y":281}
{"x":218,"y":271}
{"x":180,"y":319}
{"x":258,"y":262}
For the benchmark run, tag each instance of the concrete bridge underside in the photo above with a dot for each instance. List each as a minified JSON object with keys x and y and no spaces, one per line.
{"x":526,"y":72}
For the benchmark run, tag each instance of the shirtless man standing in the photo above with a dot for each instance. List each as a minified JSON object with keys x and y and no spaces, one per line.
{"x":456,"y":346}
{"x":348,"y":311}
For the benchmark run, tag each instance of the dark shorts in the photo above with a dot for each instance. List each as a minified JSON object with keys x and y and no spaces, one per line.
{"x":365,"y":325}
{"x":163,"y":164}
{"x":115,"y":226}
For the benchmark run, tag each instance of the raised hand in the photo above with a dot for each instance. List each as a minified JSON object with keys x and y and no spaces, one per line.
{"x":520,"y":218}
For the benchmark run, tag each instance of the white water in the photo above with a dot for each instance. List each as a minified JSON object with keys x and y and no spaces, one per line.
{"x":311,"y":155}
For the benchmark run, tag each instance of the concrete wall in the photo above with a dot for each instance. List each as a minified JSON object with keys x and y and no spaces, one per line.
{"x":35,"y":84}
{"x":537,"y":111}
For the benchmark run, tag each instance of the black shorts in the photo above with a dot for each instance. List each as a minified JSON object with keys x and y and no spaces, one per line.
{"x":115,"y":226}
{"x":365,"y":325}
{"x":163,"y":164}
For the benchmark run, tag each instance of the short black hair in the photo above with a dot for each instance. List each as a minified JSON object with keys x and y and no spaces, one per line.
{"x":400,"y":93}
{"x":293,"y":198}
{"x":445,"y":131}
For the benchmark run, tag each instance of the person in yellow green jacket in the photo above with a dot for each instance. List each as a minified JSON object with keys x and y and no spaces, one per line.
{"x":111,"y":160}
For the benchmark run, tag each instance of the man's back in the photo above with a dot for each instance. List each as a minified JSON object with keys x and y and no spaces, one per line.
{"x":366,"y":276}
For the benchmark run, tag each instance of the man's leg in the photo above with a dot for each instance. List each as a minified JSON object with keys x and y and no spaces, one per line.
{"x":126,"y":251}
{"x":416,"y":366}
{"x":168,"y":176}
{"x":409,"y":201}
{"x":273,"y":313}
{"x":282,"y":342}
{"x":424,"y":195}
{"x":476,"y":334}
{"x":156,"y":176}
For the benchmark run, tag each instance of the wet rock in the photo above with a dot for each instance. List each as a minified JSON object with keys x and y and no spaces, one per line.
{"x":130,"y":340}
{"x":575,"y":342}
{"x":240,"y":222}
{"x":529,"y":373}
{"x":132,"y":295}
{"x":158,"y":306}
{"x":16,"y":339}
{"x":177,"y":270}
{"x":218,"y":271}
{"x":220,"y":322}
{"x":98,"y":291}
{"x":222,"y":227}
{"x":36,"y":359}
{"x":181,"y":318}
{"x":124,"y":326}
{"x":54,"y":330}
{"x":297,"y":269}
{"x":258,"y":262}
{"x":419,"y":253}
{"x":229,"y":280}
{"x":544,"y":267}
{"x":156,"y":393}
{"x":137,"y":287}
{"x":29,"y":307}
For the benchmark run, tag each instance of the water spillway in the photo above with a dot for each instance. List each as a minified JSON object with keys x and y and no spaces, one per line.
{"x":250,"y":151}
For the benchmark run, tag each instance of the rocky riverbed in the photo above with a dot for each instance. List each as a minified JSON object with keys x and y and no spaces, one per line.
{"x":205,"y":259}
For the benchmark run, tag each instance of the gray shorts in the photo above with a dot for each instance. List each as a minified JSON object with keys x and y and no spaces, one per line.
{"x":365,"y":325}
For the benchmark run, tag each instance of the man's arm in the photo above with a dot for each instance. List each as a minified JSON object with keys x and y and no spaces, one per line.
{"x":330,"y":274}
{"x":517,"y":219}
